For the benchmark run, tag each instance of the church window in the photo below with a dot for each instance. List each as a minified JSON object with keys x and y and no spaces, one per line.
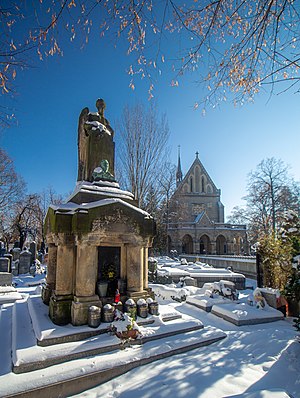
{"x":191,"y":184}
{"x":203,"y":184}
{"x":197,"y":179}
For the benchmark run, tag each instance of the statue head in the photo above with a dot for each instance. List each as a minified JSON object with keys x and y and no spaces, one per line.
{"x":100,"y":105}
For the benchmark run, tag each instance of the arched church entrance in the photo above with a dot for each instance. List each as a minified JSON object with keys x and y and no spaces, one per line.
{"x":221,"y":246}
{"x":205,"y":247}
{"x":187,"y":244}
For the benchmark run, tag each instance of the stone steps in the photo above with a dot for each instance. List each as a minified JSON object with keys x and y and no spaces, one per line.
{"x":71,"y":367}
{"x":103,"y":370}
{"x":79,"y":345}
{"x":5,"y":336}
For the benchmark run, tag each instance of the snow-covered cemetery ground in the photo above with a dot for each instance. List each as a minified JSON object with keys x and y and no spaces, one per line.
{"x":231,"y":348}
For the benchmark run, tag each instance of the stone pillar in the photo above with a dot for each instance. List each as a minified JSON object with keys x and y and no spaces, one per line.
{"x":213,"y":247}
{"x":85,"y":283}
{"x":196,"y":246}
{"x":65,"y":268}
{"x":61,"y":299}
{"x":230,"y":246}
{"x":51,"y":273}
{"x":123,"y":262}
{"x":145,"y":267}
{"x":134,"y":269}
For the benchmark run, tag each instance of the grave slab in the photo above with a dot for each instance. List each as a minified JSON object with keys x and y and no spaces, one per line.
{"x":245,"y":314}
{"x":206,"y":303}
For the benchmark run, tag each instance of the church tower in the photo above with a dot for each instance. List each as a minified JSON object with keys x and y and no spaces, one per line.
{"x":179,"y":172}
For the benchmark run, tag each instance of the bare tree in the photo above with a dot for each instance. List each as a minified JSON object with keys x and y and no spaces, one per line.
{"x":142,"y":150}
{"x":12,"y":186}
{"x":271,"y":192}
{"x":233,"y":45}
{"x":12,"y":190}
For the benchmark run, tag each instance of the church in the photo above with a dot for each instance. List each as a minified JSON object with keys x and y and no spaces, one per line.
{"x":196,"y":217}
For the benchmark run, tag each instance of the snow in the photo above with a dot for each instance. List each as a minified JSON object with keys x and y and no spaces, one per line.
{"x":98,"y":126}
{"x":252,"y":361}
{"x":72,"y":207}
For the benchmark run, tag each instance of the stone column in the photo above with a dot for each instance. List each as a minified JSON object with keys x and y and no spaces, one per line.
{"x":65,"y":268}
{"x":123,"y":262}
{"x":134,"y":269}
{"x":61,"y":298}
{"x":196,"y":246}
{"x":85,"y":283}
{"x":145,"y":267}
{"x":213,"y":247}
{"x":230,"y":246}
{"x":51,"y":273}
{"x":86,"y":270}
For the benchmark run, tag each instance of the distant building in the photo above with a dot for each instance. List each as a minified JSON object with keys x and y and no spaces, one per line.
{"x":196,"y":216}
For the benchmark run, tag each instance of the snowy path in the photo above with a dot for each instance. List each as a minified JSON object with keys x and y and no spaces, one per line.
{"x":252,"y":358}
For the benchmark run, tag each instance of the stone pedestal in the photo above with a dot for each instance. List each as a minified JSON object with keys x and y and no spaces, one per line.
{"x":60,"y":309}
{"x":80,"y":307}
{"x":46,"y":293}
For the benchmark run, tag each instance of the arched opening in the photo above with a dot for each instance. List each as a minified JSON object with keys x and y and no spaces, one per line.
{"x":202,"y":184}
{"x":197,"y":179}
{"x":187,"y":244}
{"x":205,"y":247}
{"x":191,"y":184}
{"x":221,"y":245}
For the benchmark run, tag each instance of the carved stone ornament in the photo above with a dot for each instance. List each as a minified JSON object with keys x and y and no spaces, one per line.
{"x":117,"y":218}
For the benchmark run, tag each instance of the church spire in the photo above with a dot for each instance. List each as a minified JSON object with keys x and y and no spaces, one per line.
{"x":179,"y":172}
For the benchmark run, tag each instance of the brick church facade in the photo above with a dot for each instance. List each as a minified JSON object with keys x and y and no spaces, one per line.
{"x":196,"y":217}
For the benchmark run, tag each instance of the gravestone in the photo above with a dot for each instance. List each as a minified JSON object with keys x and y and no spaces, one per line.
{"x":32,"y":249}
{"x":24,"y":262}
{"x":15,"y":267}
{"x":10,"y":257}
{"x":5,"y":279}
{"x":4,"y":264}
{"x":2,"y":249}
{"x":16,"y":253}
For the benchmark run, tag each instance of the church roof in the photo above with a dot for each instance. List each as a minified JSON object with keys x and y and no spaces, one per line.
{"x":203,"y":172}
{"x":202,"y":218}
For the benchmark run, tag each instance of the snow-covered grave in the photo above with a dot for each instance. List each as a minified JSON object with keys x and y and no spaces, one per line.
{"x":201,"y":272}
{"x":245,"y":314}
{"x":9,"y":294}
{"x":57,"y":363}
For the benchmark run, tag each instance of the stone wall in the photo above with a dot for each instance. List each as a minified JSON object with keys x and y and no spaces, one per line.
{"x":245,"y":265}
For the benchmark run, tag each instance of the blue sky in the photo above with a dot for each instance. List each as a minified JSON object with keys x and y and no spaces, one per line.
{"x":231,"y":141}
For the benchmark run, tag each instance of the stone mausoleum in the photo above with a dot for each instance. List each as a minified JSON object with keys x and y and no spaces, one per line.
{"x":196,"y":216}
{"x":98,"y":240}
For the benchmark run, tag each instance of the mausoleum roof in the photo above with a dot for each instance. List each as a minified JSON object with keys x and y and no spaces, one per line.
{"x":72,"y":208}
{"x":94,"y":191}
